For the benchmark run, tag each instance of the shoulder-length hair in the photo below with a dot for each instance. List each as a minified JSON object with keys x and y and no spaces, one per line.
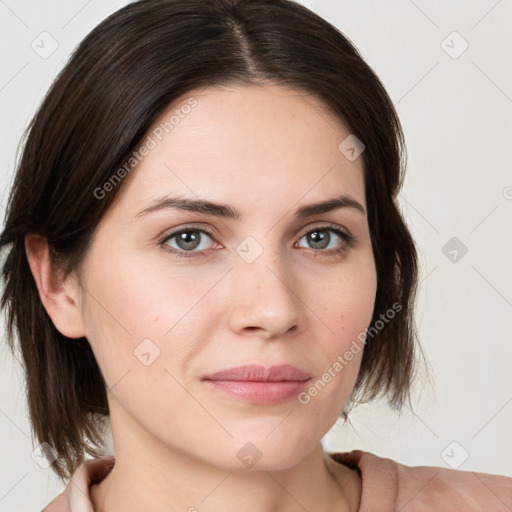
{"x":118,"y":81}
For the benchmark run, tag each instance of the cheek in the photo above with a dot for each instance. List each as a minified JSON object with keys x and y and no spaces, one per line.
{"x":347,"y":308}
{"x":133,"y":309}
{"x":349,"y":300}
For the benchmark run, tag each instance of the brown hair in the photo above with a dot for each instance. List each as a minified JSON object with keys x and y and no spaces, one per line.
{"x":116,"y":84}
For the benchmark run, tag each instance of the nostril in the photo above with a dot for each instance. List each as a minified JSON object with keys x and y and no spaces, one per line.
{"x":254,"y":329}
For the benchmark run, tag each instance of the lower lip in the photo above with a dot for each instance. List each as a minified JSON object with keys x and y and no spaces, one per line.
{"x":260,"y":392}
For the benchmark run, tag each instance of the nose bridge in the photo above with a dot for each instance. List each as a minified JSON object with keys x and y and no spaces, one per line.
{"x":263,"y":294}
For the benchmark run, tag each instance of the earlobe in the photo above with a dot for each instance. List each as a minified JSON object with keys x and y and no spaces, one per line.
{"x":59,"y":298}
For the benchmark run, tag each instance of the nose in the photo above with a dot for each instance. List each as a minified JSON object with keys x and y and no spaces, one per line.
{"x":265,"y":300}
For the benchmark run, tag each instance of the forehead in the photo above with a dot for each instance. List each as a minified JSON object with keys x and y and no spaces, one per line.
{"x":245,"y":145}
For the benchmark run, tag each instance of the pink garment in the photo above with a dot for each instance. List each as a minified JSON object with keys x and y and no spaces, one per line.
{"x":389,"y":486}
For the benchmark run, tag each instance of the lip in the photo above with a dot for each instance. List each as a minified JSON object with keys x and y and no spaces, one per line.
{"x":260,"y":384}
{"x":260,"y":373}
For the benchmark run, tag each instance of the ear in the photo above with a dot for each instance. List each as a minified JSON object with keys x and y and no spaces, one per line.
{"x":61,"y":298}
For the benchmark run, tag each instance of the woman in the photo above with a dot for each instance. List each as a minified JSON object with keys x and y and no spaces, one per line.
{"x":206,"y":249}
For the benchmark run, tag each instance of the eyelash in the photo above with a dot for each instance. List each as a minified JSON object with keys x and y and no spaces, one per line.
{"x":349,"y":240}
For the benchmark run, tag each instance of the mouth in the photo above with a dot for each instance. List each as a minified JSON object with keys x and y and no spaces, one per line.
{"x":259,"y":384}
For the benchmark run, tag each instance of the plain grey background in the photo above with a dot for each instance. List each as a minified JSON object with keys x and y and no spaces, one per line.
{"x":446,"y":66}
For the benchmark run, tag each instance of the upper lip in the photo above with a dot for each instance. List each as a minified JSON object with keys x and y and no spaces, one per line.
{"x":260,"y":373}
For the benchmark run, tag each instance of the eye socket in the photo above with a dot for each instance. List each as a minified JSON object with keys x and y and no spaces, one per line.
{"x":183,"y":237}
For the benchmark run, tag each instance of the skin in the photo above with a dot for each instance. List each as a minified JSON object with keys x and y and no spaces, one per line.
{"x":265,"y":150}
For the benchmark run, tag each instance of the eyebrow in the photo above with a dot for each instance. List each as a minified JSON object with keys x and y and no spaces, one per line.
{"x":229,"y":212}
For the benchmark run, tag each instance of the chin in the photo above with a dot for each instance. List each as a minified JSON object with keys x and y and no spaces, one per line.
{"x":262,"y":454}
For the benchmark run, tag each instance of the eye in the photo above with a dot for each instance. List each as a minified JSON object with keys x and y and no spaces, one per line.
{"x":320,"y":238}
{"x":187,"y":239}
{"x":190,"y":238}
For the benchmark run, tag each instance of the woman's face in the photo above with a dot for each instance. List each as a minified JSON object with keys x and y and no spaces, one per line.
{"x":266,"y":287}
